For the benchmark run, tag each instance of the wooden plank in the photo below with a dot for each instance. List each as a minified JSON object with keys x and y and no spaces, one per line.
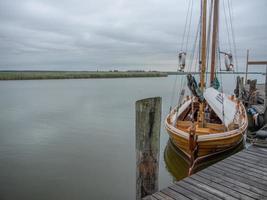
{"x":173,"y":194}
{"x":251,"y":158}
{"x":247,"y":189}
{"x":241,"y":174}
{"x":209,"y":189}
{"x":230,"y":184}
{"x":244,"y":167}
{"x":248,"y":161}
{"x":257,"y":150}
{"x":198,"y":191}
{"x":220,"y":187}
{"x":237,"y":174}
{"x":260,"y":155}
{"x":247,"y":180}
{"x":154,"y":197}
{"x":186,"y":192}
{"x":149,"y":198}
{"x":158,"y":196}
{"x":244,"y":170}
{"x":246,"y":154}
{"x":247,"y":164}
{"x":164,"y":196}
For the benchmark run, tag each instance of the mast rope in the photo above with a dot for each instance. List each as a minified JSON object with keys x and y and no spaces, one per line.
{"x":194,"y":47}
{"x":230,"y":10}
{"x":230,"y":13}
{"x":227,"y":27}
{"x":221,"y":88}
{"x":190,"y":3}
{"x":193,"y":62}
{"x":191,"y":59}
{"x":189,"y":26}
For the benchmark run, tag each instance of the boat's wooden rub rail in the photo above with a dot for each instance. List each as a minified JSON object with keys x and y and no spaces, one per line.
{"x":205,"y":137}
{"x":241,"y":176}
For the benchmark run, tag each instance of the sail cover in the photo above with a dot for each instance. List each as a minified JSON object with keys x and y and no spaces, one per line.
{"x":219,"y":101}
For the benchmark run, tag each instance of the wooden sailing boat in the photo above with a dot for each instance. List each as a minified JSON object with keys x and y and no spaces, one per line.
{"x":207,"y":122}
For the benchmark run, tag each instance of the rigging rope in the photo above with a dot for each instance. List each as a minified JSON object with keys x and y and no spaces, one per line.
{"x":227,"y":28}
{"x":182,"y":46}
{"x":185,"y":26}
{"x":230,"y":13}
{"x":184,"y":78}
{"x":189,"y":27}
{"x":194,"y":46}
{"x":230,"y":10}
{"x":221,"y":88}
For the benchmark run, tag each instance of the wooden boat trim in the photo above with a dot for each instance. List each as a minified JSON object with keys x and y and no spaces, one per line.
{"x":212,"y":136}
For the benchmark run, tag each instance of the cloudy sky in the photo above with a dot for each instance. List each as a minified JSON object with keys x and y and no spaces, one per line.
{"x":113,"y":34}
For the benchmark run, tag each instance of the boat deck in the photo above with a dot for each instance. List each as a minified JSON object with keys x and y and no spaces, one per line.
{"x":241,"y":176}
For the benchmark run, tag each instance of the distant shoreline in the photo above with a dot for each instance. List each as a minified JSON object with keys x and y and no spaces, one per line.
{"x":42,"y":75}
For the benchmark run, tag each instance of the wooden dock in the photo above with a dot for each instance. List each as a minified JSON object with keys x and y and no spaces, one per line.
{"x":241,"y":176}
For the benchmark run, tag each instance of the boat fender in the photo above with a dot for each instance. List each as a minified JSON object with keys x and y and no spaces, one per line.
{"x":257,"y":118}
{"x":262,"y":134}
{"x":253,"y":112}
{"x":182,"y":58}
{"x":228,"y":61}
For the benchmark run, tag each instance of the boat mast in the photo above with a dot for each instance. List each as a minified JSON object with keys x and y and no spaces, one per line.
{"x":214,"y":39}
{"x":203,"y":59}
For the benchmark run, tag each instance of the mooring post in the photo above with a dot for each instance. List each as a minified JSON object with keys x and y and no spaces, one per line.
{"x":265,"y":88}
{"x":265,"y":97}
{"x":239,"y":88}
{"x":247,"y":67}
{"x":148,"y":121}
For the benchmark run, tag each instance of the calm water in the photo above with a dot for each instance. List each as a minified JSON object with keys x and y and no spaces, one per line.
{"x":75,"y":139}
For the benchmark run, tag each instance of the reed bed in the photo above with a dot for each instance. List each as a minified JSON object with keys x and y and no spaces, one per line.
{"x":35,"y":75}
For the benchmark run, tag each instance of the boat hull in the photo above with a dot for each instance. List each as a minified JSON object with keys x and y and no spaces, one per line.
{"x":206,"y":147}
{"x":208,"y":143}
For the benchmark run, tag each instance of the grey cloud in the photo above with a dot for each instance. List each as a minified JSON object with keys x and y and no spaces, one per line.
{"x":78,"y":34}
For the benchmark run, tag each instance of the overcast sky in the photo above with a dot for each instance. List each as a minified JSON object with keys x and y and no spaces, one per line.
{"x":113,"y":34}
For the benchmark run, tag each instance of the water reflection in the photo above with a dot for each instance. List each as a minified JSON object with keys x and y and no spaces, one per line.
{"x":178,"y":164}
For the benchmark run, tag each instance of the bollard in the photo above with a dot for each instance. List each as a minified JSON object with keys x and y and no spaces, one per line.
{"x":148,"y":121}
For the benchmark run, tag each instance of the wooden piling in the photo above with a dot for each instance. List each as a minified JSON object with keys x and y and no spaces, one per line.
{"x":148,"y":121}
{"x":265,"y":97}
{"x":247,"y":67}
{"x":237,"y":87}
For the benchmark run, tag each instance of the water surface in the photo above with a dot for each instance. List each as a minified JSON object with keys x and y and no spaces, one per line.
{"x":75,"y":139}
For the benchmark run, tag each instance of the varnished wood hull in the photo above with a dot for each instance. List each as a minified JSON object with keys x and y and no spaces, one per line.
{"x":208,"y":144}
{"x":207,"y":147}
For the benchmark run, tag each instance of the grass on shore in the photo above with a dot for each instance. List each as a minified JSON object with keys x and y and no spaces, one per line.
{"x":34,"y":75}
